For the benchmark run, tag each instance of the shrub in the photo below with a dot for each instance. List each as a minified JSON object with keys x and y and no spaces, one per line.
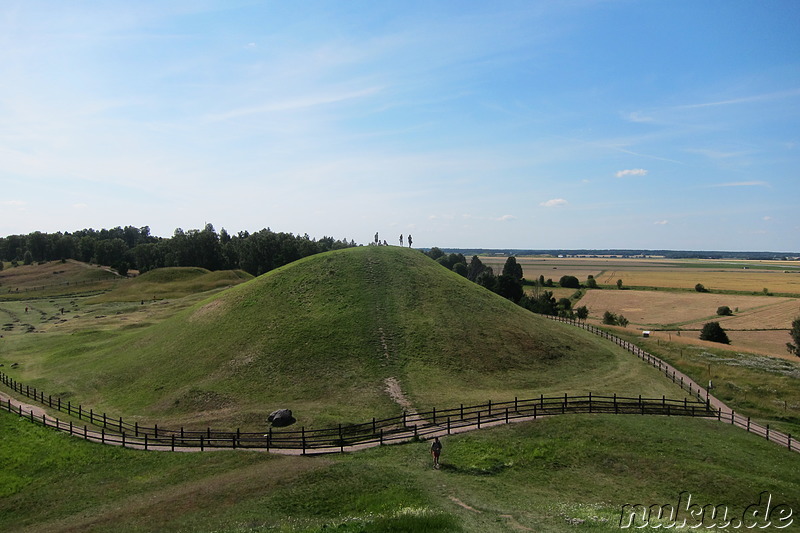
{"x":609,"y":318}
{"x":713,"y":332}
{"x":591,"y":283}
{"x":569,"y":282}
{"x":795,"y":334}
{"x":724,"y":310}
{"x":700,"y":288}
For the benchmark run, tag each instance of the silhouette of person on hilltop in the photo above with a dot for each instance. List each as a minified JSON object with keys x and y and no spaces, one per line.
{"x":409,"y":240}
{"x":401,"y":239}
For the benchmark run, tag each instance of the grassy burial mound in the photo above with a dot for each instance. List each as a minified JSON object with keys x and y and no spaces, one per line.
{"x":321,"y":336}
{"x":54,"y":277}
{"x":172,"y":282}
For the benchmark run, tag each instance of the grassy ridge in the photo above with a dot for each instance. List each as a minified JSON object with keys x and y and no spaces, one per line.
{"x":174,"y":282}
{"x":320,"y":336}
{"x":557,"y":474}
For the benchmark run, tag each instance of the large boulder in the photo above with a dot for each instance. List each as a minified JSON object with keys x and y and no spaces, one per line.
{"x":281,"y":417}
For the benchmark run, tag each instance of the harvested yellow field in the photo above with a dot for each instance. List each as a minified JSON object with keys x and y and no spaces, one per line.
{"x":776,"y":315}
{"x":737,"y":275}
{"x":664,"y":309}
{"x":722,"y":280}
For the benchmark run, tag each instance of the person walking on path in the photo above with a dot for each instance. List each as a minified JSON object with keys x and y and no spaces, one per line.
{"x":436,"y":450}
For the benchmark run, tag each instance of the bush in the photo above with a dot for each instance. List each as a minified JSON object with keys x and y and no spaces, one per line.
{"x":591,"y":283}
{"x":724,"y":310}
{"x":614,"y":320}
{"x":713,"y":332}
{"x":700,"y":288}
{"x":570,"y":282}
{"x":795,"y":334}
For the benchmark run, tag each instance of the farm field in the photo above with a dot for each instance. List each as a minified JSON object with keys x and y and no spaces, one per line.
{"x":779,"y":277}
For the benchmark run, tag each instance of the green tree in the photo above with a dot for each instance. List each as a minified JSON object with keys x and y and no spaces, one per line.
{"x":609,"y":318}
{"x":724,"y":310}
{"x":619,"y":284}
{"x":795,"y":334}
{"x":570,"y":282}
{"x":582,"y":312}
{"x":27,"y":258}
{"x":622,"y":321}
{"x":509,"y":287}
{"x":713,"y":332}
{"x":460,"y":269}
{"x":591,"y":283}
{"x":513,"y":269}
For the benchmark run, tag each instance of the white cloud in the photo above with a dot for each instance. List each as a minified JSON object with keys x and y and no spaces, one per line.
{"x":79,"y":206}
{"x":632,"y":172}
{"x":506,"y":218}
{"x":14,"y":203}
{"x":767,"y":218}
{"x":661,"y":222}
{"x":555,"y":202}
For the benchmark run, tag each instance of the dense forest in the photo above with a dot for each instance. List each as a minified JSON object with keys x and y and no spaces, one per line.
{"x":134,"y":248}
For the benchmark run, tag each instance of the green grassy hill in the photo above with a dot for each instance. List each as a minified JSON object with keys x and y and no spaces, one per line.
{"x":172,"y":282}
{"x":321,"y":336}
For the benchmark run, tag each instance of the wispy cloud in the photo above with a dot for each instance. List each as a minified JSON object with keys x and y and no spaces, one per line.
{"x":632,"y":172}
{"x":661,"y":222}
{"x":745,"y":100}
{"x":13,"y":203}
{"x":742,"y":184}
{"x":506,"y":218}
{"x":555,"y":202}
{"x":297,"y":104}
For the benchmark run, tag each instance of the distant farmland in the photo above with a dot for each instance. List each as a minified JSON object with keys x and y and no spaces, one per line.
{"x":779,"y":277}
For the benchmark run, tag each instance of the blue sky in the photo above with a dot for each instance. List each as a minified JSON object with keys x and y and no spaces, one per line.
{"x":570,"y":124}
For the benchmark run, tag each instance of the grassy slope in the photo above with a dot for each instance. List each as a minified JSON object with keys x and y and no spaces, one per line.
{"x":534,"y":475}
{"x":174,"y":282}
{"x":320,"y":336}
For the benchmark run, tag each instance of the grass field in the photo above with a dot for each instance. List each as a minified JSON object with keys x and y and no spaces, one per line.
{"x":558,"y":475}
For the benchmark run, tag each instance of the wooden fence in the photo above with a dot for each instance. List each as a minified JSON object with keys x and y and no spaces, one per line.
{"x":114,"y":430}
{"x":782,"y":439}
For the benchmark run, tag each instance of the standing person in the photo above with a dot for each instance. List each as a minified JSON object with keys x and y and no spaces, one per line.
{"x":401,"y":240}
{"x":436,"y":450}
{"x":409,"y":240}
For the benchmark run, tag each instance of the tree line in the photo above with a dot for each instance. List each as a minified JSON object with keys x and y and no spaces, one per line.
{"x":135,"y":248}
{"x":510,"y":282}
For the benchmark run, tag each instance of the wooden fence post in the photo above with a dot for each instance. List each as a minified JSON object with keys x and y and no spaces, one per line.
{"x":479,"y":420}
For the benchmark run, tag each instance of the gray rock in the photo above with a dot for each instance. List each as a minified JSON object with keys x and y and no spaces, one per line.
{"x":281,"y":417}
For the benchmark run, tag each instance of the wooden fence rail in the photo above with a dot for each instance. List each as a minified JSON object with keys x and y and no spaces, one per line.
{"x":114,"y":430}
{"x":692,"y":387}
